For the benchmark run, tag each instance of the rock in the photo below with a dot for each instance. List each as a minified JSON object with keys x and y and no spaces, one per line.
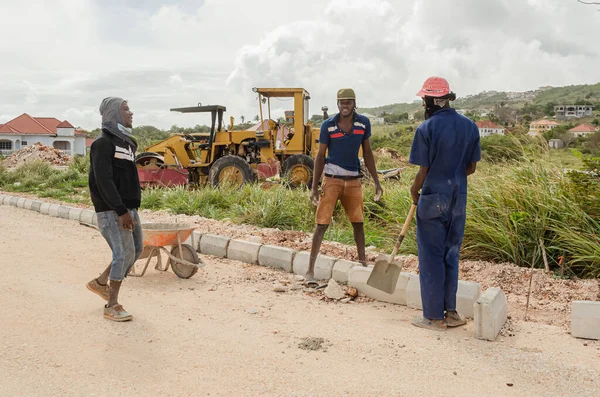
{"x":252,"y":310}
{"x":280,"y":288}
{"x":334,"y":291}
{"x":346,"y":300}
{"x":298,"y":277}
{"x":352,"y":292}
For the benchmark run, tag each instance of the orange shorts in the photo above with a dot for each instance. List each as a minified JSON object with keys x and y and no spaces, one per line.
{"x":349,"y":192}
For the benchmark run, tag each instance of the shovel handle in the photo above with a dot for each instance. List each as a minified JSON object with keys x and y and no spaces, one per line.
{"x":411,"y":213}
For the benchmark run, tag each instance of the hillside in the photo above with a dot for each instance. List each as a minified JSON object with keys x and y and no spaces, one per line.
{"x":574,"y":94}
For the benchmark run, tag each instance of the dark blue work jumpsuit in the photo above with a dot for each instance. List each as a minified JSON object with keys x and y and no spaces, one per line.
{"x":446,"y":143}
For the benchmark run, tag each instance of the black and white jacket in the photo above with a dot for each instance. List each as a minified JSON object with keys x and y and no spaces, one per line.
{"x":113,"y":179}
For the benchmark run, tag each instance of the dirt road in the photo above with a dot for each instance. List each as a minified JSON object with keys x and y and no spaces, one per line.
{"x":226,"y":333}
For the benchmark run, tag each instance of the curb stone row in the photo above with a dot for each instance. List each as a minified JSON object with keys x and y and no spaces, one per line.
{"x":488,"y":309}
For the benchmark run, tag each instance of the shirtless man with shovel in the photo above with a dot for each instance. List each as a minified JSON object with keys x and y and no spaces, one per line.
{"x":341,"y":137}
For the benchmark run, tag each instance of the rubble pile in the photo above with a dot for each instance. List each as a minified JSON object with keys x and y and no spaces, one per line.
{"x":37,"y":152}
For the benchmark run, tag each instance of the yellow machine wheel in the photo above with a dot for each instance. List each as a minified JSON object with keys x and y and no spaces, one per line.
{"x":298,"y":170}
{"x":231,"y":170}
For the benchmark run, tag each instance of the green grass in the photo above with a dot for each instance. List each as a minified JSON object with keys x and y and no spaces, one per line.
{"x":517,"y":198}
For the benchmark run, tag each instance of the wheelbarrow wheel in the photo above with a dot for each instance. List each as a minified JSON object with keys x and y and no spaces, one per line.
{"x":188,"y":254}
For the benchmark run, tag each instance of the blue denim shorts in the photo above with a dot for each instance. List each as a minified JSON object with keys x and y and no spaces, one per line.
{"x":126,"y":245}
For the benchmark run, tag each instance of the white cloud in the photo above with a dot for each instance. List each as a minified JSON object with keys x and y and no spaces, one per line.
{"x":69,"y":54}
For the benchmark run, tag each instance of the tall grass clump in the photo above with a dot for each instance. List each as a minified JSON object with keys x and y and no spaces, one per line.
{"x":530,"y":207}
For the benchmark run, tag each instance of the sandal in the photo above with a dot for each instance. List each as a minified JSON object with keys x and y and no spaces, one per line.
{"x":311,"y":283}
{"x":434,"y":325}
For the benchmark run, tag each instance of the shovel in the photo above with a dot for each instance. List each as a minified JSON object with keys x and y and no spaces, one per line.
{"x":386,"y":272}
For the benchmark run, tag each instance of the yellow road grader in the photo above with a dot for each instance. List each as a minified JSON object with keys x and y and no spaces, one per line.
{"x":224,"y":156}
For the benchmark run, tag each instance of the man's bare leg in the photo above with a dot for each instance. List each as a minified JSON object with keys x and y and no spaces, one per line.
{"x":103,"y":279}
{"x":314,"y":251}
{"x":359,"y":239}
{"x":114,"y":293}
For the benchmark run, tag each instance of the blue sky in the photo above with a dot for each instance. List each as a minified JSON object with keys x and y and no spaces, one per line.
{"x":61,"y":57}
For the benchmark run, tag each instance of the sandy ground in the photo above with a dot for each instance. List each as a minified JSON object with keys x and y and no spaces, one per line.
{"x":226,"y":332}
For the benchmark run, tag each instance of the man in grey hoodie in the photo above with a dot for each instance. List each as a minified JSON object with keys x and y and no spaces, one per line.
{"x":116,"y":195}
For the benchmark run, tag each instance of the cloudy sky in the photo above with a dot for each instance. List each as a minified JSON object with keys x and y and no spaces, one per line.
{"x":61,"y":57}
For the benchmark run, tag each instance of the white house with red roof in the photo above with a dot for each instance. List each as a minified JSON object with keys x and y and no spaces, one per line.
{"x":583,"y":130}
{"x":26,"y":130}
{"x":488,"y":127}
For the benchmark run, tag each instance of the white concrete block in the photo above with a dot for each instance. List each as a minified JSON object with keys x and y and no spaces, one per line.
{"x":490,"y":314}
{"x":466,"y":296}
{"x":8,"y":200}
{"x":2,"y":199}
{"x":277,"y":257}
{"x":413,"y":292}
{"x":36,"y":206}
{"x":27,"y":204}
{"x":243,"y":251}
{"x":63,"y":212}
{"x":358,"y":276}
{"x":213,"y":244}
{"x":323,"y":265}
{"x":13,"y":201}
{"x":75,"y":214}
{"x":194,"y":240}
{"x":20,"y":202}
{"x":45,"y":208}
{"x":341,"y":269}
{"x":585,"y":319}
{"x":53,"y":211}
{"x":87,"y":217}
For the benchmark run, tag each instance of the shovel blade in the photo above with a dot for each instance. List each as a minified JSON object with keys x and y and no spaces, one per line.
{"x":384,"y":275}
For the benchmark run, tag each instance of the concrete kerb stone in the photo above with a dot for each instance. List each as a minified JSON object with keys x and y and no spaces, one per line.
{"x":45,"y":208}
{"x":341,"y":269}
{"x":323,"y":265}
{"x":53,"y":210}
{"x":243,"y":251}
{"x":13,"y":201}
{"x":36,"y":206}
{"x":63,"y":212}
{"x":27,"y":204}
{"x":413,"y":292}
{"x":20,"y":202}
{"x":8,"y":200}
{"x":585,"y":319}
{"x":75,"y":214}
{"x":277,"y":257}
{"x":2,"y":198}
{"x":196,"y":236}
{"x":215,"y":245}
{"x":87,"y":217}
{"x":491,"y":313}
{"x":466,"y":297}
{"x":358,"y":276}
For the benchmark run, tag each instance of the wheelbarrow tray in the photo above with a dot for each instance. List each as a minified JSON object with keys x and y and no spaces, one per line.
{"x":162,"y":234}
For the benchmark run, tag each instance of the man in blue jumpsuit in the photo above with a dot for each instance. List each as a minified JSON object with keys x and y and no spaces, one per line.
{"x":446,"y":147}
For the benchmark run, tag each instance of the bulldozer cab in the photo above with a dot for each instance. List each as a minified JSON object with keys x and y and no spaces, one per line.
{"x":216,"y":124}
{"x":292,"y":134}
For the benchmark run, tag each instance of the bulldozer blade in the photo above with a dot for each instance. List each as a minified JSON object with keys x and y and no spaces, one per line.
{"x":384,"y":275}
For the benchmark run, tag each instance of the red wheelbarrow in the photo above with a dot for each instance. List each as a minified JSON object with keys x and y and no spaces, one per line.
{"x":183,"y":258}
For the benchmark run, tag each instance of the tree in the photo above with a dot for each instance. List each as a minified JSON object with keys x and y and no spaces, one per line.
{"x":256,"y":118}
{"x":549,"y":108}
{"x":242,"y":118}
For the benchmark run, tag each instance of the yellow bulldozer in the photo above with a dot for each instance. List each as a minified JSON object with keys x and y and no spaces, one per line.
{"x":274,"y":147}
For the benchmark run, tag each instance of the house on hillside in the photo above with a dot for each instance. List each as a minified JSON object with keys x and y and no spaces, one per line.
{"x":49,"y":131}
{"x":541,"y":126}
{"x":487,"y":128}
{"x":564,"y":112}
{"x":583,"y":130}
{"x":375,"y":120}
